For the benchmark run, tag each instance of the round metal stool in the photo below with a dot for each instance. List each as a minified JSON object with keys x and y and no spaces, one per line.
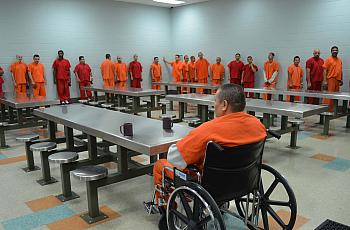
{"x":27,"y":139}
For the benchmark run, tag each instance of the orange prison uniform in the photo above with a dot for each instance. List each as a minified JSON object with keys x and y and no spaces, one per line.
{"x":19,"y":71}
{"x":294,"y":82}
{"x":334,"y":67}
{"x":37,"y":71}
{"x":217,"y":71}
{"x":202,"y":66}
{"x":269,"y":69}
{"x":177,"y":69}
{"x":156,"y":70}
{"x":191,"y":71}
{"x":186,"y":76}
{"x":122,"y":73}
{"x":62,"y":69}
{"x":108,"y":73}
{"x":231,"y":130}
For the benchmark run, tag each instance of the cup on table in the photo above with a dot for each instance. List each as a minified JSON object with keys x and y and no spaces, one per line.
{"x":126,"y":129}
{"x":167,"y":123}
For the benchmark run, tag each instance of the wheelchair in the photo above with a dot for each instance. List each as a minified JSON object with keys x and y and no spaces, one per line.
{"x":199,"y":199}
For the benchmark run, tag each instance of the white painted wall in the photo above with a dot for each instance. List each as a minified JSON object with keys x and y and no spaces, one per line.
{"x":218,"y":28}
{"x":81,"y":27}
{"x":256,"y":27}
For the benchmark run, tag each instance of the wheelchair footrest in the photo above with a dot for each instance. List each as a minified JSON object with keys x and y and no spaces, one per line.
{"x":150,"y":207}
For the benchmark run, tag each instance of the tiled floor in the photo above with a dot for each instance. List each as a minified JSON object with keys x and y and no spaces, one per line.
{"x":318,"y":172}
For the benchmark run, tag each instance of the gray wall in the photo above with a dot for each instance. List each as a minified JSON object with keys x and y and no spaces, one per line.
{"x":255,"y":27}
{"x":218,"y":28}
{"x":81,"y":27}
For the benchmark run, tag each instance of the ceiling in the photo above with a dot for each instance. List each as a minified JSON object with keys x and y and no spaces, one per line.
{"x":151,"y":2}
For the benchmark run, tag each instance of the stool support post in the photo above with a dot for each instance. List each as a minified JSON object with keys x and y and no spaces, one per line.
{"x":45,"y":169}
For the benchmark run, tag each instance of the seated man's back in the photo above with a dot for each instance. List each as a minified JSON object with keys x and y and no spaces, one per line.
{"x":231,"y":128}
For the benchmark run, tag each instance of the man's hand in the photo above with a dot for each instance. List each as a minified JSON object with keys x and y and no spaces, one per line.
{"x":325,"y":84}
{"x":309,"y":85}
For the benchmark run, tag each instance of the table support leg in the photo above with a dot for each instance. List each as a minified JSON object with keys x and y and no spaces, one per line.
{"x":181,"y":110}
{"x":2,"y":139}
{"x":30,"y":159}
{"x":67,"y":193}
{"x":266,"y":120}
{"x":326,"y":125}
{"x":294,"y":136}
{"x":11,"y":115}
{"x":94,"y":215}
{"x":284,"y":122}
{"x":348,"y":122}
{"x":45,"y":169}
{"x":69,"y":138}
{"x":204,"y":113}
{"x":52,"y":131}
{"x":92,"y":147}
{"x":3,"y":112}
{"x":95,"y":96}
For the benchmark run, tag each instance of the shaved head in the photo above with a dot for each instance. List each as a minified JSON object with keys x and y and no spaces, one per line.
{"x":317,"y":53}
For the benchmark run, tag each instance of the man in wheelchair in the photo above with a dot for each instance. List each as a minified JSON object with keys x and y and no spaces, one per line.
{"x":232,"y":127}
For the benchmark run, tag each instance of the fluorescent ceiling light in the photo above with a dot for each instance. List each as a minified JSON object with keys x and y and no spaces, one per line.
{"x":172,"y":2}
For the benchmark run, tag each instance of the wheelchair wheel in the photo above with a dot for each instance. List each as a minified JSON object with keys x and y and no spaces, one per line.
{"x":277,"y":197}
{"x":190,"y":207}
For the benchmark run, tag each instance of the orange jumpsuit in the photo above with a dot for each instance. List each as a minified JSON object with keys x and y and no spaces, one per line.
{"x":191,"y":71}
{"x":217,"y":72}
{"x":185,"y":75}
{"x":269,"y":69}
{"x":230,"y":130}
{"x":294,"y":82}
{"x":38,"y":71}
{"x":122,"y":74}
{"x":156,"y":70}
{"x":19,"y":71}
{"x":202,"y":73}
{"x":177,"y":70}
{"x":108,"y":73}
{"x":334,"y":68}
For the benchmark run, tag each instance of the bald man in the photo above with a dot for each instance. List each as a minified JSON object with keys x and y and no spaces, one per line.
{"x":19,"y":72}
{"x":202,"y":70}
{"x":271,"y":70}
{"x":135,"y":71}
{"x":314,"y":74}
{"x":231,"y":127}
{"x":121,"y":72}
{"x":332,"y":74}
{"x":192,"y":69}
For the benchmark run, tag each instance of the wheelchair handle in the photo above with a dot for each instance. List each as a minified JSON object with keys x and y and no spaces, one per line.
{"x":274,"y":134}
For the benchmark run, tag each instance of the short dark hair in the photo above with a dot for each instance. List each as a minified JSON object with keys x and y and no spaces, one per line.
{"x":334,"y":47}
{"x":272,"y":53}
{"x":238,"y":54}
{"x":108,"y":56}
{"x":192,"y":57}
{"x":177,"y":55}
{"x":36,"y":56}
{"x":234,"y":95}
{"x":249,"y":57}
{"x":155,"y":58}
{"x":81,"y":57}
{"x":60,"y":51}
{"x":296,"y":58}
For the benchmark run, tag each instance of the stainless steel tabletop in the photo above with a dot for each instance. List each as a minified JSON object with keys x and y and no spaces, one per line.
{"x":191,"y":85}
{"x":302,"y":93}
{"x":127,"y":91}
{"x":289,"y":109}
{"x":149,"y":136}
{"x":23,"y":101}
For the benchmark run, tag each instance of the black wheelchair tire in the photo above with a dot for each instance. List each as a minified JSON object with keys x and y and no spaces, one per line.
{"x":205,"y":196}
{"x":264,"y":207}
